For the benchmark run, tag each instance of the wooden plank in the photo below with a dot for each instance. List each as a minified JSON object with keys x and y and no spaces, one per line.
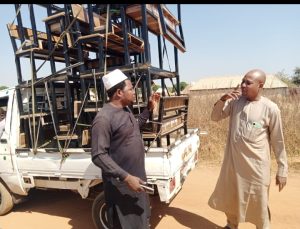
{"x":167,"y":13}
{"x":22,"y":142}
{"x":115,"y":42}
{"x":54,"y":16}
{"x":135,"y":44}
{"x":28,"y":33}
{"x":42,"y":54}
{"x":36,"y":115}
{"x":64,"y":128}
{"x":169,"y":122}
{"x":86,"y":137}
{"x":54,"y":22}
{"x":174,"y":102}
{"x":165,"y":131}
{"x":173,"y":38}
{"x":135,"y":12}
{"x":110,"y":61}
{"x":81,"y":14}
{"x":66,"y":137}
{"x":92,"y":109}
{"x":170,"y":20}
{"x":77,"y":105}
{"x":172,"y":114}
{"x":99,"y":22}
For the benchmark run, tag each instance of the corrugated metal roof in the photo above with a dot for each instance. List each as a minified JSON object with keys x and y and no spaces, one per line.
{"x":232,"y":81}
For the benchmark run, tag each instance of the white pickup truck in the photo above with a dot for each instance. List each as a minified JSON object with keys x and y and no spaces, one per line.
{"x":22,"y":169}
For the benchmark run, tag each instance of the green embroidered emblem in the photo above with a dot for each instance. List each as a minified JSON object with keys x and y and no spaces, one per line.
{"x":257,"y":125}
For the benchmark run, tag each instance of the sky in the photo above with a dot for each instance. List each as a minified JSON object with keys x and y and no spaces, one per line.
{"x":221,"y":39}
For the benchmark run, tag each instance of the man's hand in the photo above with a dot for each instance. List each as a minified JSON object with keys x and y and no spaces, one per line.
{"x":235,"y":94}
{"x":281,"y":182}
{"x":153,"y":100}
{"x":134,"y":182}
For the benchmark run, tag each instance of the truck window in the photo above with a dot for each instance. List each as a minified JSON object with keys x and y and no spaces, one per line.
{"x":3,"y":108}
{"x":3,"y":102}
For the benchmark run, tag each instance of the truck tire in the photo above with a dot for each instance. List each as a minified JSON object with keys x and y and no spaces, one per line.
{"x":6,"y":201}
{"x":99,"y":212}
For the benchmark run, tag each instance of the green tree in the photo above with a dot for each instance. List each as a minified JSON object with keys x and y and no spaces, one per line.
{"x":284,"y":77}
{"x":3,"y":87}
{"x":182,"y":86}
{"x":155,"y":87}
{"x":296,"y":77}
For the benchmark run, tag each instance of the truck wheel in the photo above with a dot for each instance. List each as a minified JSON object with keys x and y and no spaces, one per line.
{"x":6,"y":201}
{"x":99,"y":212}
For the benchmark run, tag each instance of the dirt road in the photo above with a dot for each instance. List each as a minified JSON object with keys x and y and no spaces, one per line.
{"x":65,"y":210}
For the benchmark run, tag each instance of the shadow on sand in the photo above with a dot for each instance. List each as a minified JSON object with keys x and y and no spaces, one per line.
{"x":61,"y":203}
{"x":68,"y":204}
{"x":185,"y":218}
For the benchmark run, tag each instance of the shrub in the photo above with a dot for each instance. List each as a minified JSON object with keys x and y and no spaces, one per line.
{"x":213,"y":145}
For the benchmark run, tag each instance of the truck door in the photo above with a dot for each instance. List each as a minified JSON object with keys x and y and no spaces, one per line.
{"x":6,"y":165}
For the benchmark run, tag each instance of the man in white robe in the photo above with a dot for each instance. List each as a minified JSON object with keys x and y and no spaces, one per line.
{"x":242,"y":190}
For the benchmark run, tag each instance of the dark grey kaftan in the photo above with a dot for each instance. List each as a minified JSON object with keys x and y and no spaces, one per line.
{"x":117,"y":142}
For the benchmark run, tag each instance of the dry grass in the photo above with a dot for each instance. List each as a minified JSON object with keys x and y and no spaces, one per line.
{"x":213,"y":144}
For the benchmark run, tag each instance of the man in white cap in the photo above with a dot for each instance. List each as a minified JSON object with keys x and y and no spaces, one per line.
{"x":118,"y":149}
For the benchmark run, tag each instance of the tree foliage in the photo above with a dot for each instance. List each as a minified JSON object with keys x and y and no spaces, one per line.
{"x":296,"y":77}
{"x":3,"y":87}
{"x":182,"y":86}
{"x":284,"y":77}
{"x":155,"y":87}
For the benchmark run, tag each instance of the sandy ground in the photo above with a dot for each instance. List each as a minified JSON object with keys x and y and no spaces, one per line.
{"x":65,"y":209}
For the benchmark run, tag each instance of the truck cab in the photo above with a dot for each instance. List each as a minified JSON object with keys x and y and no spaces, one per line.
{"x":23,"y":168}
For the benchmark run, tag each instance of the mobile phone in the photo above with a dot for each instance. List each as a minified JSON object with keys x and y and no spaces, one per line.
{"x":147,"y":189}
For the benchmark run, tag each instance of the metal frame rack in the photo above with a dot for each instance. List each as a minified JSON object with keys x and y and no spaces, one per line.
{"x":92,"y":40}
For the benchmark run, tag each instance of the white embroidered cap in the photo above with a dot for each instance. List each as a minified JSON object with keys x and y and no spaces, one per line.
{"x":113,"y":78}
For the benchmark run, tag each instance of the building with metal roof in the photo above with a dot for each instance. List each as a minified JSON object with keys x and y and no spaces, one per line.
{"x":226,"y":82}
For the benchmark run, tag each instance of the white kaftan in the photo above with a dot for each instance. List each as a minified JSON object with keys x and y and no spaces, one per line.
{"x":243,"y":185}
